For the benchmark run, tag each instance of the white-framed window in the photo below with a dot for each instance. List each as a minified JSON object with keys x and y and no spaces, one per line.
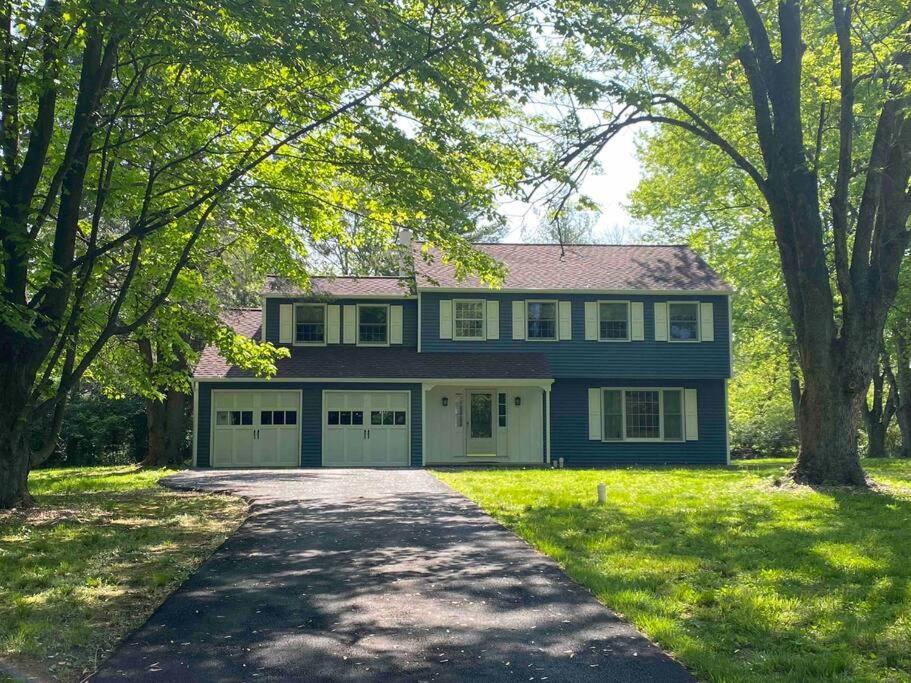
{"x":541,"y":320}
{"x":683,"y":321}
{"x":613,"y":321}
{"x":468,"y":319}
{"x":310,"y":324}
{"x":642,"y":414}
{"x":373,"y":324}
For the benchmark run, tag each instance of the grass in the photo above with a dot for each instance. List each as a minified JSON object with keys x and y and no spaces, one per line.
{"x":102,"y":550}
{"x":738,"y":578}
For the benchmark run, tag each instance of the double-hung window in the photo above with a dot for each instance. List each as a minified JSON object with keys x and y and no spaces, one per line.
{"x":683,"y":321}
{"x":542,"y":320}
{"x":613,"y":321}
{"x":372,"y":325}
{"x":310,"y":324}
{"x":642,"y":414}
{"x":468,"y":320}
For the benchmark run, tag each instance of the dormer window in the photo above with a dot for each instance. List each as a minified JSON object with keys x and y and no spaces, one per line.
{"x":372,"y":325}
{"x":310,"y":324}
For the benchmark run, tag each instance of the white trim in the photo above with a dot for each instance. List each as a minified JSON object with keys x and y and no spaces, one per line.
{"x":298,"y":304}
{"x":300,"y":423}
{"x":658,"y":439}
{"x":629,"y":319}
{"x":556,"y":304}
{"x":483,"y":304}
{"x":423,"y":426}
{"x":558,"y":291}
{"x":314,"y":296}
{"x":547,"y":424}
{"x":698,"y":338}
{"x":322,"y":422}
{"x":196,"y":423}
{"x":430,"y":381}
{"x":357,"y":325}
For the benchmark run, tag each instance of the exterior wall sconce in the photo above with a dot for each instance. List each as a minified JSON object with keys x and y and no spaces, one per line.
{"x":518,"y":400}
{"x":445,"y":401}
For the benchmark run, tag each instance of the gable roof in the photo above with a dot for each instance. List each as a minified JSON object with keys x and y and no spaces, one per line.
{"x":620,"y":268}
{"x":330,"y":286}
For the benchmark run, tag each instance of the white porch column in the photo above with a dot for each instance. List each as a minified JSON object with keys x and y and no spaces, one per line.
{"x":547,"y":423}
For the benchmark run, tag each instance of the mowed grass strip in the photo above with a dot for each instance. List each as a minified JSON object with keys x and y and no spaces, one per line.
{"x":742,"y":580}
{"x":102,"y":550}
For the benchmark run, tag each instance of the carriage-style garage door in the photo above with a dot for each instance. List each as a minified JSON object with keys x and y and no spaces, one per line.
{"x":366,"y":428}
{"x":256,"y":428}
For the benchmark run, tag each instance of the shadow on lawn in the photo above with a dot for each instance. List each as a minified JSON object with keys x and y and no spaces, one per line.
{"x":803,"y":588}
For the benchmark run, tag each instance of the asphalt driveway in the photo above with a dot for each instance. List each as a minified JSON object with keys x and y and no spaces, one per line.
{"x":377,"y":575}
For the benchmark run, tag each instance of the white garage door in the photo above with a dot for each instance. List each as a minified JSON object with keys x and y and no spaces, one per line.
{"x":256,"y":428}
{"x":366,"y":428}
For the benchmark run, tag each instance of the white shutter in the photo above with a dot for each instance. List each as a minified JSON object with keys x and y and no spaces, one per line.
{"x":637,"y":321}
{"x":333,"y":314}
{"x":445,"y":319}
{"x":591,"y":321}
{"x":566,"y":320}
{"x":395,"y":324}
{"x":691,"y":410}
{"x":594,"y":414}
{"x":660,"y":322}
{"x":707,"y":322}
{"x":349,"y":324}
{"x":518,"y":320}
{"x":493,"y":319}
{"x":285,"y":323}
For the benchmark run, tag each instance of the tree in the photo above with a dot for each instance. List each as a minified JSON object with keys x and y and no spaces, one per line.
{"x":126,"y":128}
{"x":811,"y":103}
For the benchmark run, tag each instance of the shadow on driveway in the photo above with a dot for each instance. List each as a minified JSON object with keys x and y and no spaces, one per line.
{"x":375,"y":575}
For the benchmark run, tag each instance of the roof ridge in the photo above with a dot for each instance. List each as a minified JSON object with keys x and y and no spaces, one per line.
{"x":575,"y":244}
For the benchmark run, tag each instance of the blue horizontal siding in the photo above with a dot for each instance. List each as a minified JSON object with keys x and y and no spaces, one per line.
{"x":580,"y":358}
{"x":311,"y":419}
{"x":569,"y":427}
{"x":409,"y":315}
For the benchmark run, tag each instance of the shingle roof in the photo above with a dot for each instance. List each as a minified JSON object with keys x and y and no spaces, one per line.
{"x":394,"y":362}
{"x":585,"y":266}
{"x":341,"y":286}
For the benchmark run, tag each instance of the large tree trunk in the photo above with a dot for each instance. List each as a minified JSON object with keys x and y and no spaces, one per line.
{"x":900,"y":383}
{"x":828,"y":434}
{"x":879,"y":413}
{"x":166,"y":421}
{"x":16,"y":380}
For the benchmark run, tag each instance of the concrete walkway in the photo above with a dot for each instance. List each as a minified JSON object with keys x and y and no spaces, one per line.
{"x":366,"y":575}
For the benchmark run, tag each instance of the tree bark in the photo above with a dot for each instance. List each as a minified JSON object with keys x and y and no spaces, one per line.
{"x":900,"y":383}
{"x":879,"y":414}
{"x":166,"y":422}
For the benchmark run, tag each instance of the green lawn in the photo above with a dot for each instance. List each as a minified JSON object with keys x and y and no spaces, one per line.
{"x":740,"y":579}
{"x":102,"y":550}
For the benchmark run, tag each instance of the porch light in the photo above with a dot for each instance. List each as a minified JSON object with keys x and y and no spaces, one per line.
{"x":518,"y":400}
{"x":445,"y":401}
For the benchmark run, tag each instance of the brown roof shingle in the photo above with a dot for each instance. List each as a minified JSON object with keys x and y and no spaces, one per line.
{"x":585,"y":267}
{"x":391,"y":286}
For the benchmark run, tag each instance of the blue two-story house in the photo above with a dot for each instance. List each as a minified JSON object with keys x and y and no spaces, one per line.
{"x":596,"y":355}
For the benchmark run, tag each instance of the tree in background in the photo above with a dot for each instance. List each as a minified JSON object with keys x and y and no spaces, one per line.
{"x":810,"y":102}
{"x":125,"y":128}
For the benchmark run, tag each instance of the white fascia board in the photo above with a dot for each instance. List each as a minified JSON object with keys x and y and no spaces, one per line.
{"x":464,"y":381}
{"x":552,"y":291}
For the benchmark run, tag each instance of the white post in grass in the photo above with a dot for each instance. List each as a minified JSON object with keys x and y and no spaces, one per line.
{"x":602,"y":494}
{"x":560,"y":461}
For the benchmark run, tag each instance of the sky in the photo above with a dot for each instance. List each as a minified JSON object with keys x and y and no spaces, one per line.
{"x":609,"y":187}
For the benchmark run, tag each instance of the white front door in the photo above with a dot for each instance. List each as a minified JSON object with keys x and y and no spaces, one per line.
{"x":366,"y":429}
{"x":481,"y":437}
{"x":255,"y":428}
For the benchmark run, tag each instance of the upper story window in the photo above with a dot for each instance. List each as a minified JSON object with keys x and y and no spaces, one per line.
{"x":541,"y":319}
{"x":310,"y":324}
{"x":683,"y":321}
{"x":642,"y":415}
{"x":372,"y":325}
{"x":613,"y":321}
{"x":468,"y":319}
